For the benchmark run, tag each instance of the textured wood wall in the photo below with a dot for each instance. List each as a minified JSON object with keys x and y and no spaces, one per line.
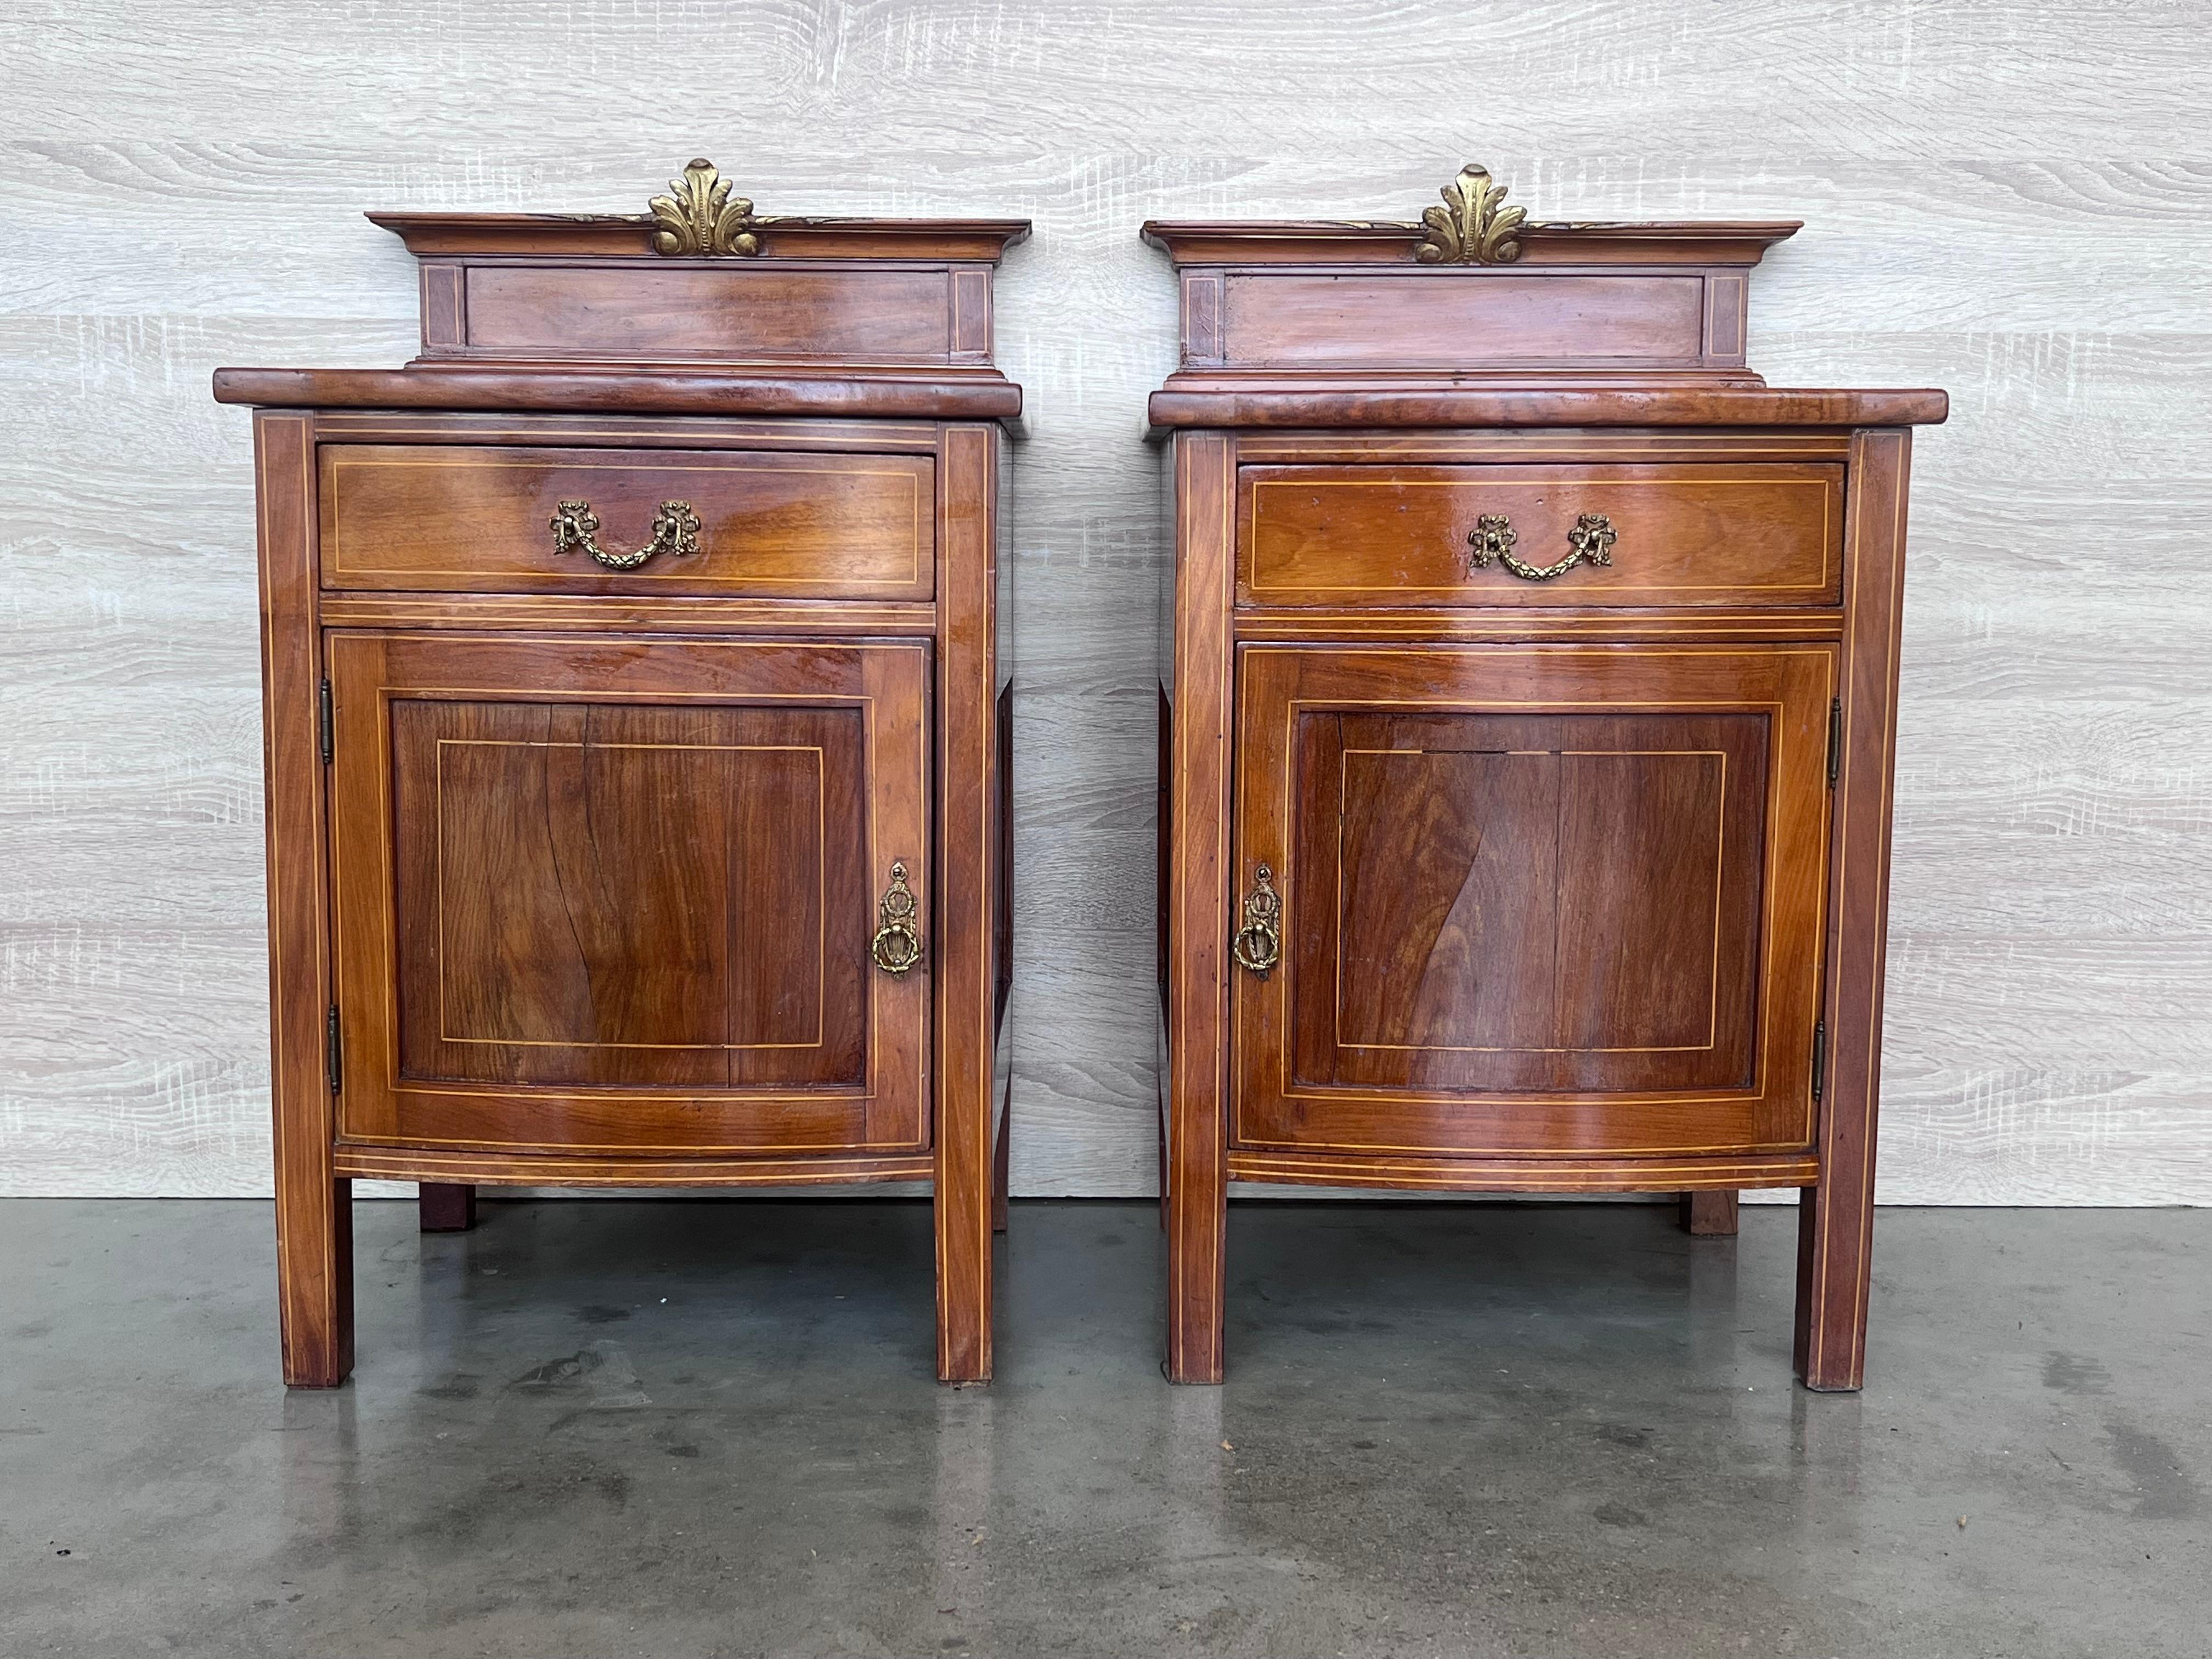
{"x":2013,"y":201}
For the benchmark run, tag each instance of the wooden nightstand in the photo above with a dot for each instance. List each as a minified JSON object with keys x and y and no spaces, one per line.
{"x":637,"y":709}
{"x":1529,"y":734}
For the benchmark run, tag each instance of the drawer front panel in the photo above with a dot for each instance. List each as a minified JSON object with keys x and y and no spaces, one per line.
{"x":418,"y":516}
{"x":1680,"y":535}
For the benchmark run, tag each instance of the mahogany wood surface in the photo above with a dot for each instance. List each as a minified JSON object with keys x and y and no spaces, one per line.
{"x":1754,"y":534}
{"x":672,"y":312}
{"x":576,"y":873}
{"x":1581,"y":880}
{"x":1835,"y":1233}
{"x":1266,"y":242}
{"x":591,"y":895}
{"x":604,"y":1170}
{"x":1709,"y":1214}
{"x":1311,"y":401}
{"x":404,"y":516}
{"x":606,"y":237}
{"x":1200,"y":876}
{"x":1459,"y":1173}
{"x":1591,"y":928}
{"x":966,"y":733}
{"x":929,"y":394}
{"x":314,"y":1209}
{"x":1403,"y":317}
{"x":446,"y":1206}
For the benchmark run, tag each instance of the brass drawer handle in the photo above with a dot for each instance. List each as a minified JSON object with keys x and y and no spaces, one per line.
{"x":675,"y":530}
{"x":896,"y":946}
{"x":1258,"y":945}
{"x":1494,"y":536}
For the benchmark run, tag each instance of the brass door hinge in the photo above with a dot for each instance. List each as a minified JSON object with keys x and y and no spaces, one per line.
{"x":333,"y":1054}
{"x":326,"y":732}
{"x":1819,"y":1054}
{"x":1835,"y":738}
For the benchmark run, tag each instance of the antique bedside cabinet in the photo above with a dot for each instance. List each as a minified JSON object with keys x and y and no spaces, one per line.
{"x":636,"y":719}
{"x":1528,"y":742}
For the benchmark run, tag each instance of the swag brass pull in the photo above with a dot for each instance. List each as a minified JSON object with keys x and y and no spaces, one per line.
{"x":1492,"y":538}
{"x":675,"y":530}
{"x":1258,"y":945}
{"x":896,"y":946}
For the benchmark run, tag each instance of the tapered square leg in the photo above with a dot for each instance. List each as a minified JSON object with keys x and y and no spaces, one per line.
{"x":1835,"y":1219}
{"x":314,"y":1206}
{"x":446,"y":1206}
{"x":968,"y":848}
{"x":1709,"y":1214}
{"x":1835,"y":1233}
{"x":1200,"y":877}
{"x":314,"y":1282}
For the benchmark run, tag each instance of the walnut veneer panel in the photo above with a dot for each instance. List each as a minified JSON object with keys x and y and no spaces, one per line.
{"x":1745,"y":534}
{"x":607,"y":894}
{"x":1340,"y":320}
{"x":1537,"y":900}
{"x":420,"y":516}
{"x":754,"y":313}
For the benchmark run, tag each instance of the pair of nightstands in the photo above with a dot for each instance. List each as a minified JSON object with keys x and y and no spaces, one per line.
{"x":636,"y":692}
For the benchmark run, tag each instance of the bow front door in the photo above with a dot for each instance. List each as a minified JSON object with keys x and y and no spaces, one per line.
{"x":630,"y":894}
{"x":1523,"y":900}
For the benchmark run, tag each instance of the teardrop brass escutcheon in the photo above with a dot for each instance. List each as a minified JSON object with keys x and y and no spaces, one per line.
{"x":896,"y":946}
{"x":1258,"y":945}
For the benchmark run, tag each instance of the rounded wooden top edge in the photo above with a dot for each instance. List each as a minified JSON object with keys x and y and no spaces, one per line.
{"x":1168,"y":409}
{"x":1266,"y":241}
{"x":979,"y":398}
{"x":628,"y":236}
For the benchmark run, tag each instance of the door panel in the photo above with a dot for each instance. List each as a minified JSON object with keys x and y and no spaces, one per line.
{"x":616,"y":894}
{"x":1534,"y":898}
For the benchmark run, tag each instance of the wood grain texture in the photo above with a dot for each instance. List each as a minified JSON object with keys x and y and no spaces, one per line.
{"x":1998,"y":198}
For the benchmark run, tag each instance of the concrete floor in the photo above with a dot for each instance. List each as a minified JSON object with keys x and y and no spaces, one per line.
{"x":696,"y":1428}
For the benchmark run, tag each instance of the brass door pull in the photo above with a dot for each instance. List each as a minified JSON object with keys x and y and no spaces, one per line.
{"x":1258,"y":945}
{"x":896,"y":946}
{"x":675,"y":530}
{"x":1492,"y":538}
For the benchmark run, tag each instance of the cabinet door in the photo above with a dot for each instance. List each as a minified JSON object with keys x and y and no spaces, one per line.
{"x":1533,"y":898}
{"x":620,"y":893}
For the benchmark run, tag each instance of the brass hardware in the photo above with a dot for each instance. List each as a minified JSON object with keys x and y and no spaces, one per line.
{"x":1492,"y":537}
{"x":896,"y":946}
{"x":701,"y":220}
{"x":675,"y":530}
{"x":1592,"y":539}
{"x":1258,"y":945}
{"x":1472,"y":227}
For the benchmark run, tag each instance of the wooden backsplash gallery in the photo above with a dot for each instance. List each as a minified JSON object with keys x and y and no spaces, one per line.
{"x":2013,"y":237}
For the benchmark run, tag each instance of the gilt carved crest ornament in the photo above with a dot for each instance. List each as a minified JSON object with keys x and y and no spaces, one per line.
{"x":1474,"y":227}
{"x":702,"y":219}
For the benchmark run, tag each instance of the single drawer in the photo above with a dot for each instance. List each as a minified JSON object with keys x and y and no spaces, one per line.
{"x":469,"y":518}
{"x":1753,"y":534}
